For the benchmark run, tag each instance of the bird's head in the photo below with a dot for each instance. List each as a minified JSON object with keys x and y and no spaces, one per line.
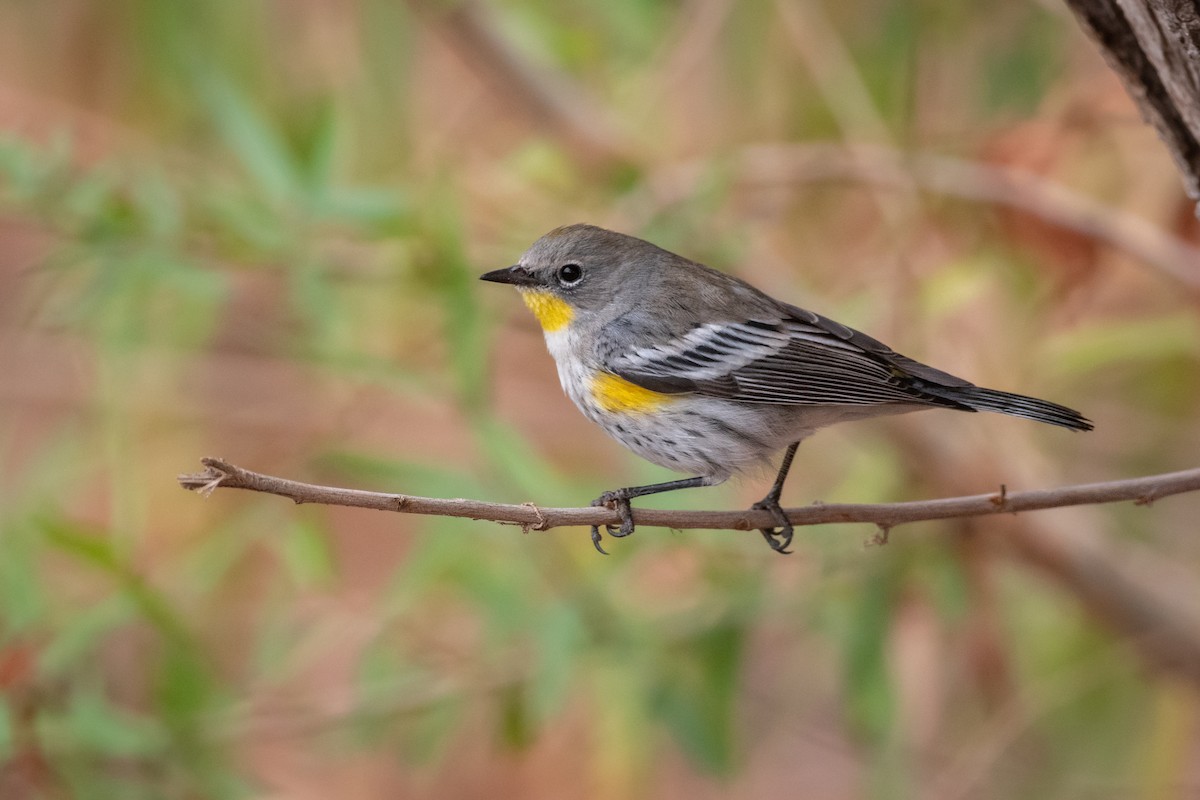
{"x":576,"y":271}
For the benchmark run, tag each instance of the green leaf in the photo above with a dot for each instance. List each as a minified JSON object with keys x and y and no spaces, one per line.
{"x":7,"y":734}
{"x":696,"y":696}
{"x":518,"y":728}
{"x":870,"y":701}
{"x":1138,"y":340}
{"x":82,"y":633}
{"x":455,"y":279}
{"x":23,"y":601}
{"x":262,"y":151}
{"x":427,"y":730}
{"x":97,"y":726}
{"x":401,"y":476}
{"x":387,"y":209}
{"x":320,"y":149}
{"x":306,"y":552}
{"x":514,"y":459}
{"x":96,"y":548}
{"x":184,"y":689}
{"x":561,"y":638}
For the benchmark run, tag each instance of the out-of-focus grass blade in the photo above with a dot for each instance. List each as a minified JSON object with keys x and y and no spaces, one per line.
{"x":319,"y":149}
{"x":561,"y":638}
{"x":184,"y":689}
{"x":455,"y":280}
{"x":29,"y":171}
{"x":96,"y":549}
{"x":1139,"y":340}
{"x":75,"y":642}
{"x":306,"y":552}
{"x":400,"y":476}
{"x":22,"y":600}
{"x":695,"y":695}
{"x":245,"y":224}
{"x":250,"y":136}
{"x":426,"y":731}
{"x":315,"y":296}
{"x":518,"y":728}
{"x":388,"y":211}
{"x":99,"y":728}
{"x":515,"y":462}
{"x":1016,"y":75}
{"x":398,"y":699}
{"x":870,"y":701}
{"x":211,"y":559}
{"x":955,"y":285}
{"x":6,"y":731}
{"x":939,"y":569}
{"x":159,"y":206}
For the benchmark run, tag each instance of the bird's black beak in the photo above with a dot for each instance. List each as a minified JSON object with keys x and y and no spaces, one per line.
{"x":516,"y":275}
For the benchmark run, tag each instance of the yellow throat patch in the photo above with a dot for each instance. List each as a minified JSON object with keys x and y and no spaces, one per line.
{"x":617,"y":395}
{"x":552,"y":312}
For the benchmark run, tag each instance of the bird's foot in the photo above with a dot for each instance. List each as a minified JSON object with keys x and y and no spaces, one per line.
{"x":778,"y":538}
{"x":619,"y":502}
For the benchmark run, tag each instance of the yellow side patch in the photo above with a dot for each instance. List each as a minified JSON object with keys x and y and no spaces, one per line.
{"x":552,"y":312}
{"x":615,"y":394}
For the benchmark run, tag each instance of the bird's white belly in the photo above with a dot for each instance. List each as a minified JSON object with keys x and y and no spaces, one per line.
{"x":687,"y":433}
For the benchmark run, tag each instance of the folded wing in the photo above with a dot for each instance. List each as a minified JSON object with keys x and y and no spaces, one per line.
{"x":798,"y":358}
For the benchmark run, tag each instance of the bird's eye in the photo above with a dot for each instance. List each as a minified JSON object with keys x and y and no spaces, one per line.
{"x":570,"y":274}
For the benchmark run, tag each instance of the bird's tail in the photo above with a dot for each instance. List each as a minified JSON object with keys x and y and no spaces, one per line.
{"x":1018,"y":405}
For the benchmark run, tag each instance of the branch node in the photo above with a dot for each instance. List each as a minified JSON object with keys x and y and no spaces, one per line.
{"x":881,"y":536}
{"x":1000,"y":499}
{"x":540,"y":525}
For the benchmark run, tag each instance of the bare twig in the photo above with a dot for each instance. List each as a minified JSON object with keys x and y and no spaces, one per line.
{"x":218,"y":474}
{"x":1134,"y":590}
{"x":548,"y":97}
{"x":773,"y":165}
{"x":1002,"y":186}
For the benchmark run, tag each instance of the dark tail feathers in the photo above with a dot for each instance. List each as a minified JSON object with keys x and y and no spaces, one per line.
{"x":1017,"y":405}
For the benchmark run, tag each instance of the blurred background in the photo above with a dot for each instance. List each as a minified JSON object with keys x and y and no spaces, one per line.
{"x":253,"y":230}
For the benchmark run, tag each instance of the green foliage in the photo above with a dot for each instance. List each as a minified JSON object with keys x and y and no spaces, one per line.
{"x":696,"y":695}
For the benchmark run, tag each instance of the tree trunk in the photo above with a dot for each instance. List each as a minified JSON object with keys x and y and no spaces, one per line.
{"x":1154,"y":45}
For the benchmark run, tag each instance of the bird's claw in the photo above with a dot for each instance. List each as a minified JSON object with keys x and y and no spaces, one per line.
{"x":780,"y":539}
{"x":619,"y":503}
{"x":596,"y":540}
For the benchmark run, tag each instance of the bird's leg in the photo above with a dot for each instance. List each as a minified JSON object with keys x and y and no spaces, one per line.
{"x":779,"y":538}
{"x":618,"y":500}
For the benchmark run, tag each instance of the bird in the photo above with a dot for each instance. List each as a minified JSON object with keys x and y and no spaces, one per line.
{"x":697,"y":371}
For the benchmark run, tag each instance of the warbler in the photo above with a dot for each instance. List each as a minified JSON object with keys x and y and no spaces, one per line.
{"x":702,"y":373}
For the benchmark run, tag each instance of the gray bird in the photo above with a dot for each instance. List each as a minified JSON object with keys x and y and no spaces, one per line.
{"x":699,"y":372}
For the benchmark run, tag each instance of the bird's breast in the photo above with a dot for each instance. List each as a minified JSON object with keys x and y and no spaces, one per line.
{"x":592,"y":388}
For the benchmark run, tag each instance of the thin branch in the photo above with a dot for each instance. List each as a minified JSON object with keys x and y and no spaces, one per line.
{"x":1135,"y":590}
{"x":773,"y":165}
{"x":548,"y":97}
{"x":1145,"y":490}
{"x":1002,"y":186}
